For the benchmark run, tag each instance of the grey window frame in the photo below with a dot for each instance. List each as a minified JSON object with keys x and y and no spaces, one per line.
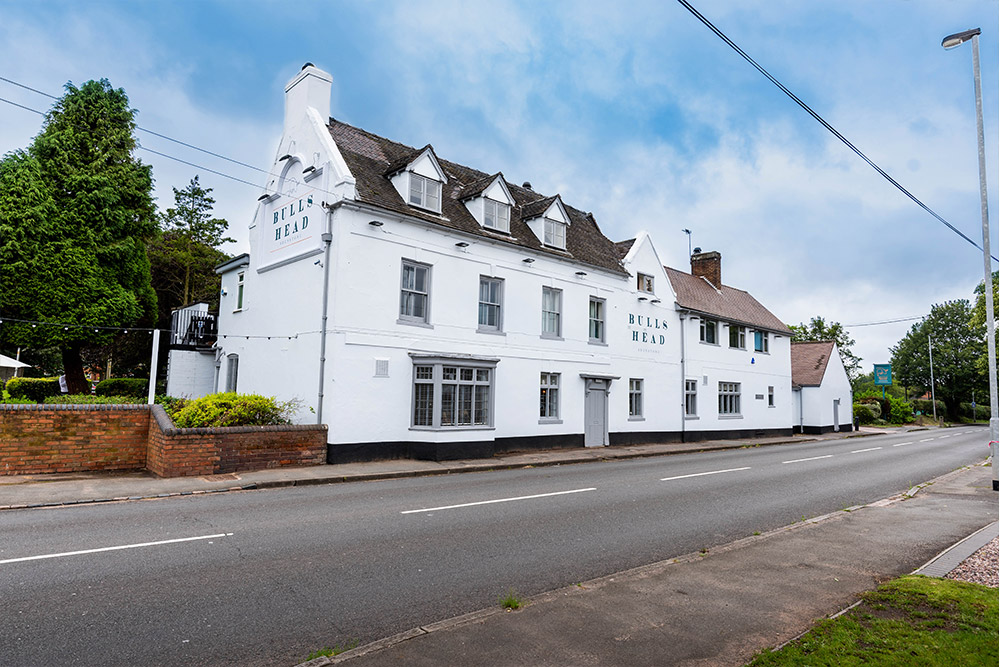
{"x":240,"y":283}
{"x":761,"y":342}
{"x":422,"y":194}
{"x":597,"y":323}
{"x":644,"y":282}
{"x":487,"y":305}
{"x":690,"y":398}
{"x":635,"y":387}
{"x":770,"y":396}
{"x":558,"y":294}
{"x":548,"y":397}
{"x":404,"y":291}
{"x":497,"y":206}
{"x":741,"y":337}
{"x":703,"y":329}
{"x":431,"y":373}
{"x":232,"y":371}
{"x":729,"y":399}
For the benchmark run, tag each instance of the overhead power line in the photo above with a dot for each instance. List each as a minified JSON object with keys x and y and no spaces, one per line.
{"x":824,"y":123}
{"x":872,"y":324}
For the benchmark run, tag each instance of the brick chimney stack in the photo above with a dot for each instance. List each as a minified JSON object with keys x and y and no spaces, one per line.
{"x":708,"y":265}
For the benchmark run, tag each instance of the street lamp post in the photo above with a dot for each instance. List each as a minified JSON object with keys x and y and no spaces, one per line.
{"x":949,"y":42}
{"x":688,"y":232}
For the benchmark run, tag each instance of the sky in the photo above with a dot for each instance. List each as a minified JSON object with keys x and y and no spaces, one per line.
{"x":634,"y":111}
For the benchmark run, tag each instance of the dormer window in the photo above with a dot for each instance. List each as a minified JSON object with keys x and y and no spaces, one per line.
{"x":496,"y":215}
{"x":644,"y":283}
{"x":555,"y":234}
{"x":425,"y":192}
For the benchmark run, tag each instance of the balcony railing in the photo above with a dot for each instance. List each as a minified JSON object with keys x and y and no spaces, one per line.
{"x":193,"y":328}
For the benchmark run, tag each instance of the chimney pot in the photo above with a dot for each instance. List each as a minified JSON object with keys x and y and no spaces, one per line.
{"x":526,"y":185}
{"x":707,"y":265}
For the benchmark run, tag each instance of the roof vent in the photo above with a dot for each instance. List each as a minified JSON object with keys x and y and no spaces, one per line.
{"x":307,"y":65}
{"x":526,"y":185}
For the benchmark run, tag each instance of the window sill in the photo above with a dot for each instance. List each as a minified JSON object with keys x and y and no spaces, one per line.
{"x":415,"y":323}
{"x":730,"y":416}
{"x":439,"y":429}
{"x":690,"y":417}
{"x":594,"y":341}
{"x":636,"y":419}
{"x":762,"y":352}
{"x":741,"y":349}
{"x":238,"y":310}
{"x":551,"y":337}
{"x":703,"y":342}
{"x":548,"y":420}
{"x":492,"y":332}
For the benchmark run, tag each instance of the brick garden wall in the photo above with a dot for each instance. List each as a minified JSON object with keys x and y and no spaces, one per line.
{"x":72,"y":438}
{"x":76,"y":438}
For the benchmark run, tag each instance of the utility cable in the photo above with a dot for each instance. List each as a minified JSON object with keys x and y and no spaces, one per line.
{"x":828,"y":126}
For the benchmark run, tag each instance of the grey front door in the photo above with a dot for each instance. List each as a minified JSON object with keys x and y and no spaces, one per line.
{"x":836,"y":414}
{"x":595,"y":413}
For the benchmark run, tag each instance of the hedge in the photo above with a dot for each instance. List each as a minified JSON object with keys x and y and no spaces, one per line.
{"x":136,"y":387}
{"x":33,"y":389}
{"x":232,"y":409}
{"x":88,"y":399}
{"x":867,"y":413}
{"x":924,"y":406}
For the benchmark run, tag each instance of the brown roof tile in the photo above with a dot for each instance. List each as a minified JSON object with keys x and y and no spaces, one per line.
{"x":809,"y":360}
{"x":624,"y":247}
{"x":369,"y":156}
{"x":735,"y":305}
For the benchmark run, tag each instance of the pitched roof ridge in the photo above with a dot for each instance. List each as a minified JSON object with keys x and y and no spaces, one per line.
{"x":470,"y":190}
{"x":709,"y":283}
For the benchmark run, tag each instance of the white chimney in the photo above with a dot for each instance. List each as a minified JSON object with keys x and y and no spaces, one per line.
{"x":309,"y":88}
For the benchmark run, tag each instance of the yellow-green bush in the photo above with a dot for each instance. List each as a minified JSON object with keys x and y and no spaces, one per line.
{"x":232,"y":409}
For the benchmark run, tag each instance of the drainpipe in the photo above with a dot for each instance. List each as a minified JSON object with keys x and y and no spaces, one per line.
{"x":327,"y":239}
{"x":684,"y":315}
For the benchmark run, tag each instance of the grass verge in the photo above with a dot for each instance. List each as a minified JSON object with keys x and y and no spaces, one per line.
{"x":913,"y":620}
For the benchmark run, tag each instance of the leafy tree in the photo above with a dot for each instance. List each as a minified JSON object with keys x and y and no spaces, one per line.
{"x":76,"y":211}
{"x":979,"y":318}
{"x":819,"y":330}
{"x":956,"y":346}
{"x":184,"y":254}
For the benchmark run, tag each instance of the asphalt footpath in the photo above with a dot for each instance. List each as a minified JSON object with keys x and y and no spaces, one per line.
{"x":720,"y":607}
{"x":55,"y":489}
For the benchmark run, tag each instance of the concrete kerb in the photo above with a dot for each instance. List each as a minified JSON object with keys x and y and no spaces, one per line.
{"x":641,"y":571}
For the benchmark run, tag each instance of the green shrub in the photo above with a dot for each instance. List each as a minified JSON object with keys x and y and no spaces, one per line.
{"x":900,"y":412}
{"x":170,"y":404}
{"x":33,"y":389}
{"x":137,"y":387}
{"x":90,"y":399}
{"x":926,"y":407}
{"x":232,"y":409}
{"x":864,"y":414}
{"x":982,"y":411}
{"x":17,"y":401}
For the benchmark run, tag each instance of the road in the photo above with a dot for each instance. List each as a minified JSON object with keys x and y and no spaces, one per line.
{"x":265,"y":577}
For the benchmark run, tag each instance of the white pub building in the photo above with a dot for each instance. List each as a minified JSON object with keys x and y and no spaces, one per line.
{"x":427,"y":309}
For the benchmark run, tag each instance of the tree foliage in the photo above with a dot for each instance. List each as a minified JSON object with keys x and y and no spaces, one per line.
{"x":819,"y":330}
{"x":76,"y":210}
{"x":979,"y":318}
{"x":184,"y":254}
{"x":957,"y":343}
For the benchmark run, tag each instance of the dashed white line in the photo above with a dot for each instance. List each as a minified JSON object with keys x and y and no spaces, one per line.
{"x":115,"y":548}
{"x":699,"y":474}
{"x":926,"y":439}
{"x":902,"y":444}
{"x":498,"y":500}
{"x":811,"y":458}
{"x":870,"y":449}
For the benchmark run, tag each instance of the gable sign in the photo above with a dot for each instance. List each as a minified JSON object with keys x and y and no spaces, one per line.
{"x":291,"y":223}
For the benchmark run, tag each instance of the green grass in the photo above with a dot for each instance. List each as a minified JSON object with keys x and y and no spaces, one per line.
{"x":327,"y":652}
{"x":913,"y":620}
{"x":511,"y":600}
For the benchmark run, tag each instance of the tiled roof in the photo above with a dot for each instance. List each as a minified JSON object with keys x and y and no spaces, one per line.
{"x":735,"y":305}
{"x":370,"y":156}
{"x":809,"y":360}
{"x":624,"y":247}
{"x":475,"y":189}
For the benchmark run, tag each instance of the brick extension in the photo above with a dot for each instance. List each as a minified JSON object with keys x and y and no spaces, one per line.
{"x":78,"y":438}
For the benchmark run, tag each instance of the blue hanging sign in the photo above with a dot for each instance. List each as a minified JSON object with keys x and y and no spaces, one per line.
{"x":883,"y":375}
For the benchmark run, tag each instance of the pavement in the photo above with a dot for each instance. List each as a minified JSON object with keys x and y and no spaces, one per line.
{"x":718,"y":607}
{"x":55,"y":489}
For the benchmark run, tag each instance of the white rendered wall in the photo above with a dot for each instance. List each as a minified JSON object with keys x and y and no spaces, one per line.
{"x":817,"y":402}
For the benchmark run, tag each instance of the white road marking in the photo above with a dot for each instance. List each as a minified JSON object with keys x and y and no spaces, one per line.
{"x":926,"y":439}
{"x":870,"y":449}
{"x":498,"y":500}
{"x":699,"y":474}
{"x":811,"y":458}
{"x":902,"y":444}
{"x":115,"y":548}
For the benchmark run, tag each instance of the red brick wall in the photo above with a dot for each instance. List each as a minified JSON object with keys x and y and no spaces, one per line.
{"x":72,"y":438}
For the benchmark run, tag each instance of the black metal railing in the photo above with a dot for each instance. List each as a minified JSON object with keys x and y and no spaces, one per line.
{"x":193,"y":328}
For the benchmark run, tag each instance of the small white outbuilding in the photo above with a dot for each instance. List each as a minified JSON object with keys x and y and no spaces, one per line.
{"x":823,"y":397}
